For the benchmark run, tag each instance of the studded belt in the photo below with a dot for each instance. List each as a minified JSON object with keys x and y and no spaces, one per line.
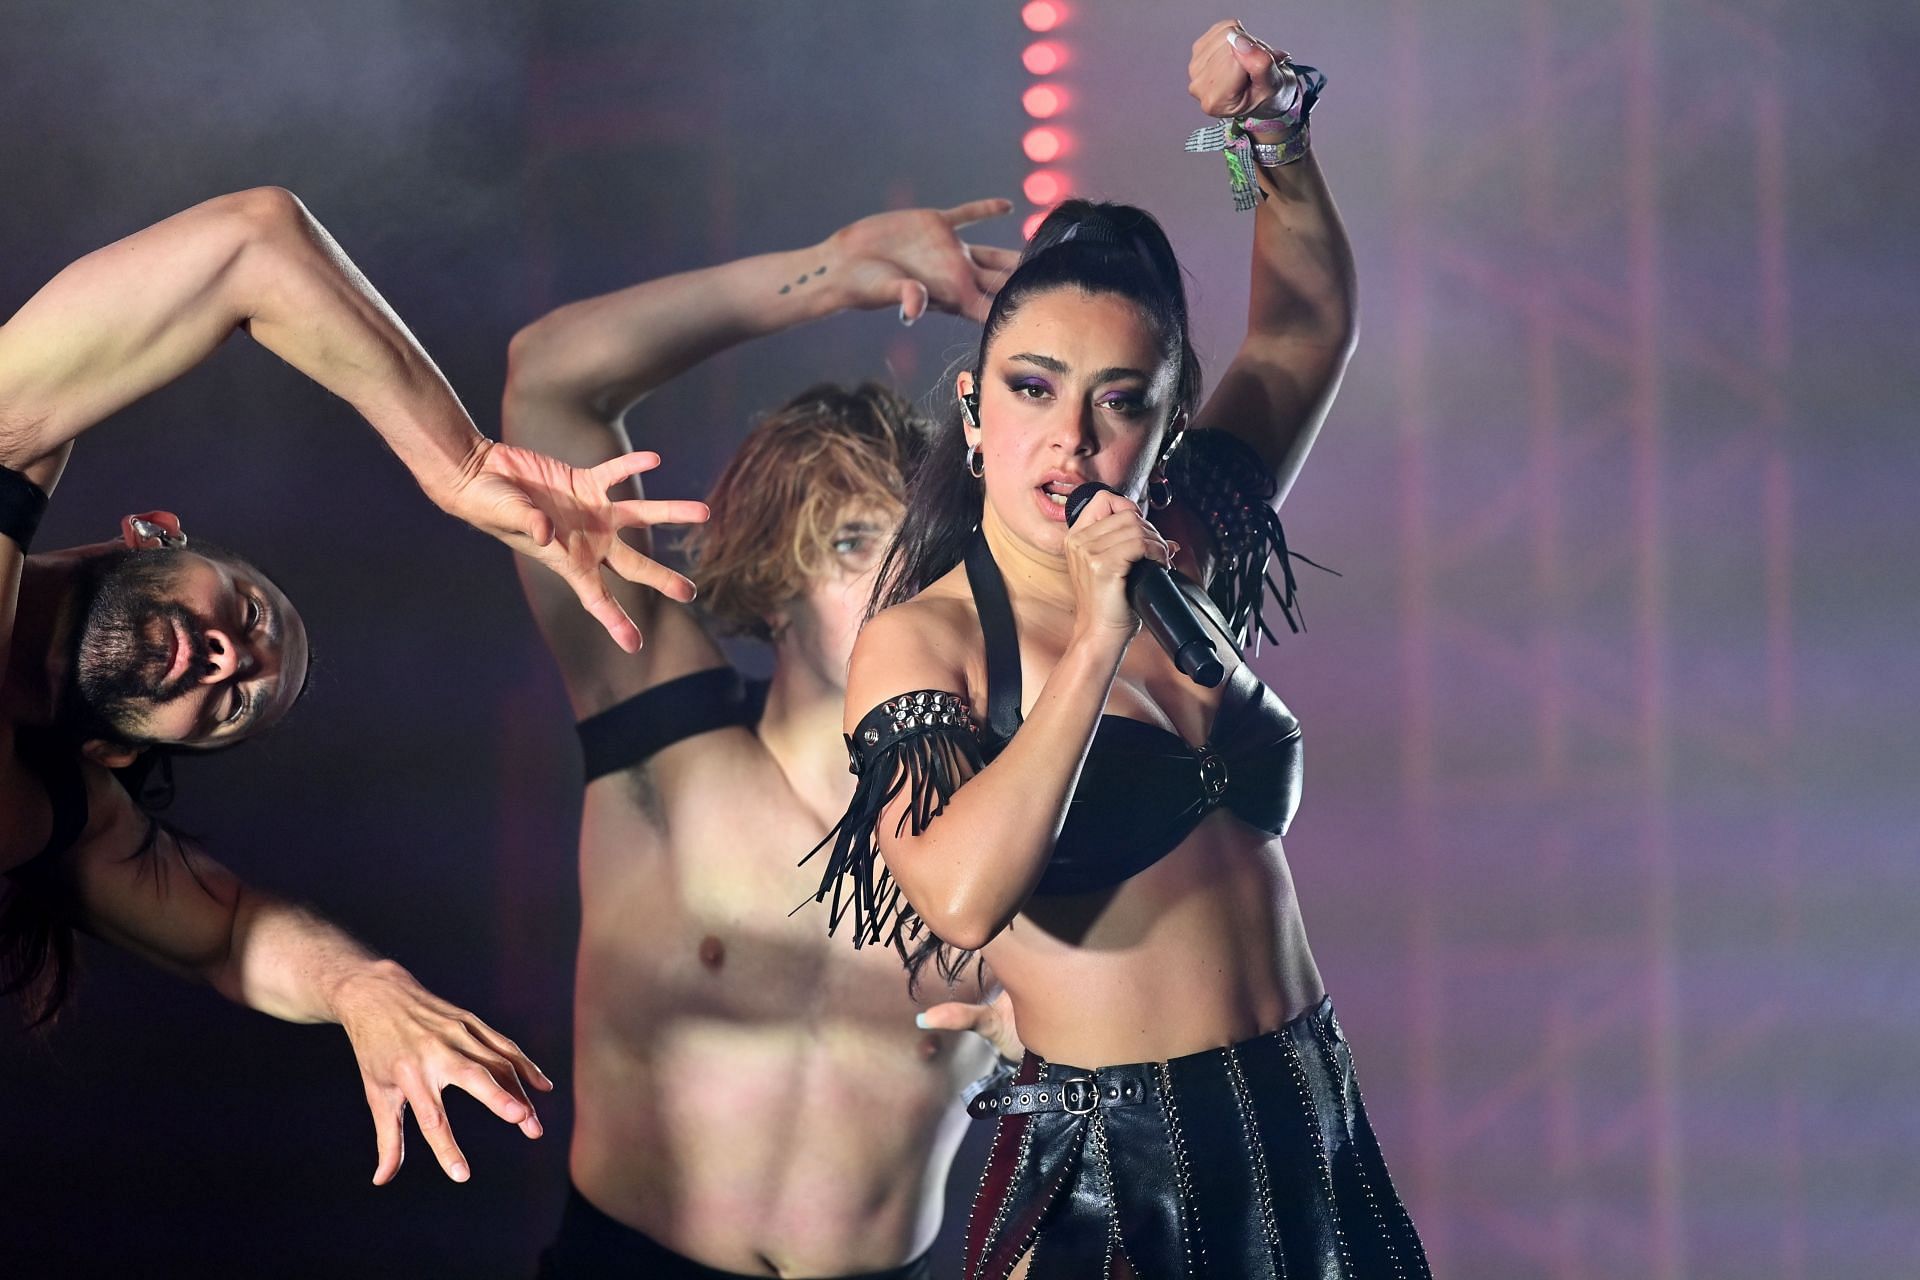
{"x":1078,"y":1094}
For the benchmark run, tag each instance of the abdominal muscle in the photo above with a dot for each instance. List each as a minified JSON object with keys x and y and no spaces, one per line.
{"x":1204,"y":948}
{"x":749,"y":1092}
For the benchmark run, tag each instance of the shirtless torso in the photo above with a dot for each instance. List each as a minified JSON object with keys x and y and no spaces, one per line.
{"x":749,"y":1092}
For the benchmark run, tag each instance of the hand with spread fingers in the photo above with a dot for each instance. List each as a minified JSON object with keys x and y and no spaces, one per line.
{"x":992,"y":1022}
{"x":411,"y":1045}
{"x":914,"y":259}
{"x":1234,"y":74}
{"x":563,"y":517}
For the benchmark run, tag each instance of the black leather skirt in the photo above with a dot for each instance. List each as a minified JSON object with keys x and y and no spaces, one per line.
{"x":1255,"y":1160}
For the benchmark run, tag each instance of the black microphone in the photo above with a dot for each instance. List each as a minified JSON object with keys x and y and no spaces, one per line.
{"x":1162,"y":606}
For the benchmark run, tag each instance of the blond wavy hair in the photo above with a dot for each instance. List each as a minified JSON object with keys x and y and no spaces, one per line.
{"x":799,"y":473}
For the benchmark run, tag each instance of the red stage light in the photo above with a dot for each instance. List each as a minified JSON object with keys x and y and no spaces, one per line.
{"x":1044,"y":57}
{"x":1044,"y":101}
{"x":1045,"y":187}
{"x":1033,"y":223}
{"x":1042,"y":15}
{"x":1044,"y":145}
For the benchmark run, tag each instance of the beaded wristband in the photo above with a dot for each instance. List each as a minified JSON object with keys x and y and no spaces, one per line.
{"x":1263,"y":141}
{"x":1286,"y":150}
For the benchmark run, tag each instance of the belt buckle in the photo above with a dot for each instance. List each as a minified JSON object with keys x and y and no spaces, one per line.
{"x":1083,"y":1089}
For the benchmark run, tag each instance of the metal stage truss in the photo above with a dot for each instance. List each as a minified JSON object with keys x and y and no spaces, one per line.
{"x":1591,"y":332}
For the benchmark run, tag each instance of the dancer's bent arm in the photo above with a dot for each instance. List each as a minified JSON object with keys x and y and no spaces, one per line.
{"x":142,"y":888}
{"x":130,"y":318}
{"x":573,"y":375}
{"x":1302,"y":319}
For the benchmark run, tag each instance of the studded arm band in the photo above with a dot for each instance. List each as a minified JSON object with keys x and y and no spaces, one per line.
{"x":1220,"y":478}
{"x":925,"y":744}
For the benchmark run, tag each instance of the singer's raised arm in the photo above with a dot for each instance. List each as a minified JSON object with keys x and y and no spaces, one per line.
{"x":1302,"y":317}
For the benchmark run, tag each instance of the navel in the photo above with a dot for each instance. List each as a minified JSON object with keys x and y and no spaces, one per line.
{"x":713,"y":952}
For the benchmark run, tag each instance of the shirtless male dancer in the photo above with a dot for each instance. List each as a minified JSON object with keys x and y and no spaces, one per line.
{"x":117,"y":652}
{"x":750,"y":1099}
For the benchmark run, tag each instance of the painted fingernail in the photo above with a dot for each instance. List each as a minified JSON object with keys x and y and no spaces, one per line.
{"x":920,"y":1021}
{"x":1233,"y":40}
{"x":905,"y":319}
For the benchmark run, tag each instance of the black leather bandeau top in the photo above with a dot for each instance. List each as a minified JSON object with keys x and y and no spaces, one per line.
{"x":1142,"y":788}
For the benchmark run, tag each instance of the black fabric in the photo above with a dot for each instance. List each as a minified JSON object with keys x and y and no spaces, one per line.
{"x":630,"y":732}
{"x":1143,"y":788}
{"x":925,"y":744}
{"x":1118,"y":1087}
{"x":22,"y":503}
{"x":1003,"y":647}
{"x":1254,"y":1160}
{"x":59,"y":771}
{"x":1220,"y":478}
{"x":593,"y":1246}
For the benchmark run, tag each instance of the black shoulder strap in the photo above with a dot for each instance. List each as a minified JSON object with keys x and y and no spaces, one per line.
{"x":60,"y":773}
{"x":630,"y":732}
{"x":1003,"y":641}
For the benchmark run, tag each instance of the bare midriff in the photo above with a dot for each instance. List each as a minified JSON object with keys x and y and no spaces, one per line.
{"x":1204,"y":948}
{"x":749,"y":1092}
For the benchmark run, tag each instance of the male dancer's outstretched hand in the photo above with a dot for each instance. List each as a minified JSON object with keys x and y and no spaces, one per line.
{"x":913,"y":258}
{"x":561,"y":516}
{"x":130,"y":318}
{"x":992,"y":1021}
{"x":410,"y":1045}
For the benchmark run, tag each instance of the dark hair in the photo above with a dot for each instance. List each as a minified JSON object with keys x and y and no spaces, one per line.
{"x":37,"y":922}
{"x":1094,"y":247}
{"x":37,"y":914}
{"x":36,"y":942}
{"x":1099,"y":248}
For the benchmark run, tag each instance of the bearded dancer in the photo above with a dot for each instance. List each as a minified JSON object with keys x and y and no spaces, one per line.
{"x":118,"y":653}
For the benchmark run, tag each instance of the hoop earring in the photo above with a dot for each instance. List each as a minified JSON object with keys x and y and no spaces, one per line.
{"x":1159,"y":492}
{"x":976,"y":465}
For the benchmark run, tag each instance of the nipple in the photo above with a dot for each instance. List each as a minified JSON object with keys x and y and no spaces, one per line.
{"x":929,"y":1047}
{"x":713,"y":952}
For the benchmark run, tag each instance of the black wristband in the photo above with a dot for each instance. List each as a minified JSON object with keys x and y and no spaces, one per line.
{"x":22,"y":503}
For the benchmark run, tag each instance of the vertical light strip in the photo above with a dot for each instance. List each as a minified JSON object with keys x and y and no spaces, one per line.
{"x":1047,"y":142}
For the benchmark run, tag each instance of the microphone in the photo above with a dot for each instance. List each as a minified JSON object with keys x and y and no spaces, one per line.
{"x":1163,"y":608}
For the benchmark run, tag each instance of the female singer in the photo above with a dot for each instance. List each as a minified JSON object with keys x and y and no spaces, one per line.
{"x":1038,"y":787}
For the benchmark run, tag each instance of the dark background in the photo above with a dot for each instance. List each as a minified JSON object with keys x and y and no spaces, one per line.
{"x":1609,"y":846}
